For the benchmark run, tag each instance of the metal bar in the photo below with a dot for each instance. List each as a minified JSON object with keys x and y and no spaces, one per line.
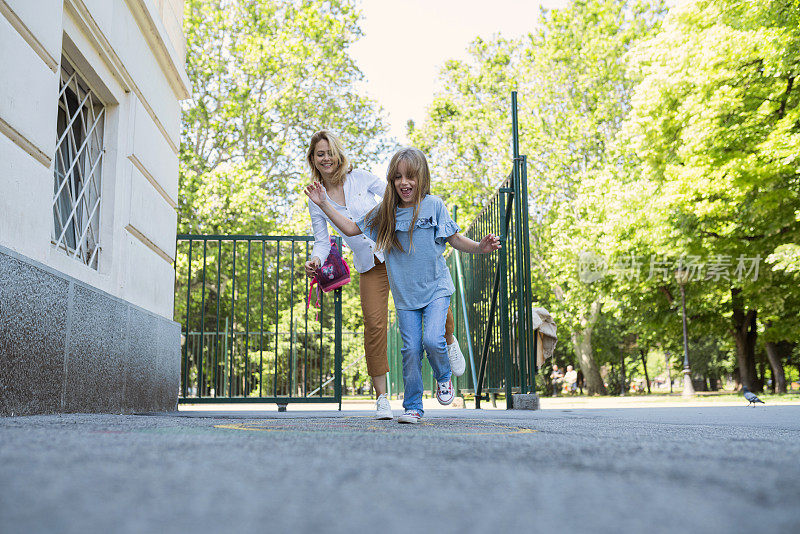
{"x":186,"y":338}
{"x":202,"y":327}
{"x":79,"y":244}
{"x":486,"y":340}
{"x":532,"y":336}
{"x":218,"y":340}
{"x":248,"y":400}
{"x":78,"y":109}
{"x":514,"y":125}
{"x":466,"y":316}
{"x":247,"y":327}
{"x":321,"y":329}
{"x":233,"y":324}
{"x":261,"y":330}
{"x":77,"y":201}
{"x":77,"y":154}
{"x":225,"y":353}
{"x":305,"y":336}
{"x":244,"y":237}
{"x":518,"y":260}
{"x":65,"y":84}
{"x":291,"y":323}
{"x":338,"y":343}
{"x":505,"y":342}
{"x":277,"y":288}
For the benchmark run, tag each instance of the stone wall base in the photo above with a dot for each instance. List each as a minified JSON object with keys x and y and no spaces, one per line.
{"x":525,"y":401}
{"x":68,"y":347}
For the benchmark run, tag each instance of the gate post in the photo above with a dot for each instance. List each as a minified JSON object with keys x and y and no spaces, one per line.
{"x":520,"y":197}
{"x":532,"y":337}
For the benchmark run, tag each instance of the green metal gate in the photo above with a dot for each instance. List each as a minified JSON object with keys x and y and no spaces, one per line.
{"x":493,"y":299}
{"x":247,"y":335}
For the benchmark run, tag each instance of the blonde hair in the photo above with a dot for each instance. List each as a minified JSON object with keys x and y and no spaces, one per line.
{"x":382,"y":218}
{"x":343,"y":164}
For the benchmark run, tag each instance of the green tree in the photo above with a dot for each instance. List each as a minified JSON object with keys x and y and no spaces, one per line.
{"x":265,"y":75}
{"x":575,"y":96}
{"x":716,"y":125}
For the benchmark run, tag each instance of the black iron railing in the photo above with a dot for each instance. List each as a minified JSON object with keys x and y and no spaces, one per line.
{"x":247,"y":334}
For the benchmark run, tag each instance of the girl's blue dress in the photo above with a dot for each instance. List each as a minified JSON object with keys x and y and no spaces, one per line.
{"x":419,"y":275}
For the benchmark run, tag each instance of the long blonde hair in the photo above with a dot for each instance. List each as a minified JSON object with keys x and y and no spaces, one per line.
{"x":343,"y":165}
{"x":382,"y":218}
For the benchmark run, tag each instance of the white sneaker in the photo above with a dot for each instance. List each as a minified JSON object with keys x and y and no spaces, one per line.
{"x":444,"y":392}
{"x":457,"y":363}
{"x":411,"y":417}
{"x":383,"y":410}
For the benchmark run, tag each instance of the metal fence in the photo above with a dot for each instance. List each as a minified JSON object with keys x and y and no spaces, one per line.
{"x":493,"y":299}
{"x":247,"y":334}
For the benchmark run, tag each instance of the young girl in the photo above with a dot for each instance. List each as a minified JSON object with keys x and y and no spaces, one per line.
{"x":410,"y":227}
{"x":352,"y":192}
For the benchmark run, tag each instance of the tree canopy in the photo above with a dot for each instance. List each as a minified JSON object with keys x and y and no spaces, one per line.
{"x":662,"y":148}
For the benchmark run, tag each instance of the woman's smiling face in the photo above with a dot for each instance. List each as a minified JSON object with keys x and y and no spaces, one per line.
{"x":324,"y":160}
{"x":405,"y":185}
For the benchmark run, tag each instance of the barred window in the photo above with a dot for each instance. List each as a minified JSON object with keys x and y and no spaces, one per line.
{"x":78,"y":165}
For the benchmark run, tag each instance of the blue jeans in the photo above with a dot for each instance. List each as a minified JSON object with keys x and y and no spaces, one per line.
{"x":411,"y":322}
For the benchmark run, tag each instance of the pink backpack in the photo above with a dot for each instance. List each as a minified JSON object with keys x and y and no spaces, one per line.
{"x":333,"y":274}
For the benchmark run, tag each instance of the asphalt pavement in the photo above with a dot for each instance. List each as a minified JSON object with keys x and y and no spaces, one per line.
{"x":686,"y":469}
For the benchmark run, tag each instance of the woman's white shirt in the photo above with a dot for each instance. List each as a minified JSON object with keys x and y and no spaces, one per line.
{"x":360,"y":189}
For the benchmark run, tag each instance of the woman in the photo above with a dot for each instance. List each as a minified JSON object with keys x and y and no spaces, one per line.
{"x":353,"y":193}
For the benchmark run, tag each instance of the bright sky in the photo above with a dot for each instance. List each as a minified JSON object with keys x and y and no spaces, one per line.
{"x":406,"y":42}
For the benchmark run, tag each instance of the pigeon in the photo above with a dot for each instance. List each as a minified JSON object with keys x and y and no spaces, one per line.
{"x":751,"y":397}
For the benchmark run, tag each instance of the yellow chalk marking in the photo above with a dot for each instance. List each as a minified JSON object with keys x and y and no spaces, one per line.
{"x":507,"y":430}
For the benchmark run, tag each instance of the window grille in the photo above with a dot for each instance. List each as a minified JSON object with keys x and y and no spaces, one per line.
{"x":78,"y":165}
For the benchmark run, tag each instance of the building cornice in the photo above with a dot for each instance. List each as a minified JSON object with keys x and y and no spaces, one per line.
{"x":156,"y":36}
{"x":26,"y":34}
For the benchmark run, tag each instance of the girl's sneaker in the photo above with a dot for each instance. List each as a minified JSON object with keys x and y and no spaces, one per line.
{"x":444,"y":392}
{"x":382,"y":408}
{"x":457,"y":362}
{"x":411,"y":416}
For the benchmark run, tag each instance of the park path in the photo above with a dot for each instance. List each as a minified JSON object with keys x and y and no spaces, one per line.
{"x":693,"y":469}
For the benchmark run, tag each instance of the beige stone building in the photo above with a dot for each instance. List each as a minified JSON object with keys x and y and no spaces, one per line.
{"x":90,"y":95}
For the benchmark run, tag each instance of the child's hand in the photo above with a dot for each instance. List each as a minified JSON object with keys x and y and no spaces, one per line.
{"x":488,"y":244}
{"x":316,"y":193}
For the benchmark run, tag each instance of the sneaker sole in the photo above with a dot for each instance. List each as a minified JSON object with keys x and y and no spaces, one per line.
{"x":384,"y":417}
{"x":445,"y":403}
{"x":458,"y":364}
{"x":409,"y":421}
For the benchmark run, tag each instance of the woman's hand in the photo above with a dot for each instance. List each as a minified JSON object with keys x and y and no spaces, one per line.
{"x":312,"y":265}
{"x":316,"y":192}
{"x":488,"y":244}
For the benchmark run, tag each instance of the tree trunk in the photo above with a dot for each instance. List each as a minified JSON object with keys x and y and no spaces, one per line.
{"x":669,"y":369}
{"x":582,"y":344}
{"x":646,"y":376}
{"x":713,"y":381}
{"x":745,"y":335}
{"x":762,"y":376}
{"x":778,"y":375}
